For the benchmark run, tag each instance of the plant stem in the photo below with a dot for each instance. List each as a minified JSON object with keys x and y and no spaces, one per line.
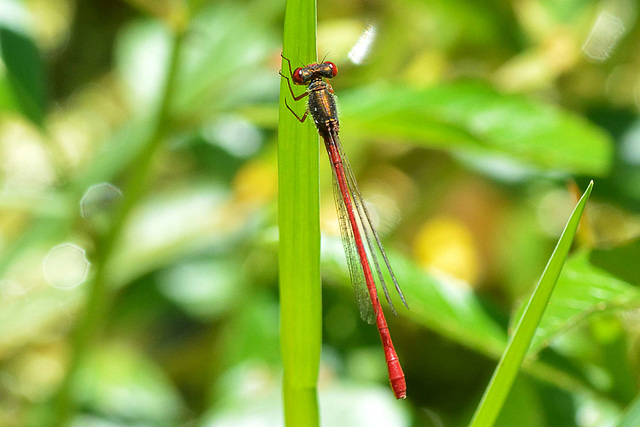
{"x":98,"y":297}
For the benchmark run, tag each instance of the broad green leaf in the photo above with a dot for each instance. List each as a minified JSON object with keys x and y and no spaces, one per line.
{"x":24,"y":73}
{"x":619,"y":262}
{"x":117,"y":382}
{"x":449,"y":307}
{"x":142,"y":54}
{"x":581,"y":291}
{"x":19,"y":326}
{"x":7,"y":100}
{"x":442,"y":304}
{"x":509,"y":365}
{"x":475,"y":118}
{"x":221,"y":64}
{"x":631,"y":416}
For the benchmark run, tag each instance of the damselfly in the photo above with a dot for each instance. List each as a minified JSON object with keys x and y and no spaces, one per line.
{"x":355,"y":220}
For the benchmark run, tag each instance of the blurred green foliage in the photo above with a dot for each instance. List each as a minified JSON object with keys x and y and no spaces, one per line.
{"x":464,"y":126}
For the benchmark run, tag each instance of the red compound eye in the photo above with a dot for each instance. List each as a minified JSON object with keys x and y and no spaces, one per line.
{"x":297,"y":76}
{"x":334,"y":68}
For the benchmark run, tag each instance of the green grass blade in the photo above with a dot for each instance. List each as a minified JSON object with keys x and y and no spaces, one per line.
{"x":299,"y":224}
{"x":512,"y":358}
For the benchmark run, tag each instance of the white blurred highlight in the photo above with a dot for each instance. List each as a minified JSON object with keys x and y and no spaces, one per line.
{"x":234,"y":134}
{"x":361,"y":49}
{"x":11,"y":287}
{"x":24,"y":162}
{"x":65,"y":266}
{"x":604,"y":37}
{"x":630,"y":144}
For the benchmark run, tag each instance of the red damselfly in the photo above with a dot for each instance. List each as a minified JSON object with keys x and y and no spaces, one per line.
{"x":353,"y":215}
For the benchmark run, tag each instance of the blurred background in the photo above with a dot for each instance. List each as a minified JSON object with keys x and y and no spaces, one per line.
{"x":138,"y":222}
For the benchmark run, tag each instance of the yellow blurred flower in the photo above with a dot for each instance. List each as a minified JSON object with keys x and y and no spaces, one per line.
{"x":256,"y":183}
{"x":446,"y":245}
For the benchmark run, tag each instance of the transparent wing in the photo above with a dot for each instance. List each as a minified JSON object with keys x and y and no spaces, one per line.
{"x":368,"y":229}
{"x":353,"y":261}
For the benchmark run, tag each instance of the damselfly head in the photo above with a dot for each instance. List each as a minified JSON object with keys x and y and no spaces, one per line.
{"x":304,"y":75}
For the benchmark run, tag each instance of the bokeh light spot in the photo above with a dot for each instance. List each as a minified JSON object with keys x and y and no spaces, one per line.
{"x":604,"y":36}
{"x":65,"y":266}
{"x":99,"y":198}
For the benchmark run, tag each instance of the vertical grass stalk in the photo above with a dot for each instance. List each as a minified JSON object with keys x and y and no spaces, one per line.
{"x":299,"y":225}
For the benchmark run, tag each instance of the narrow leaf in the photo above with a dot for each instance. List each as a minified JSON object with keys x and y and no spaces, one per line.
{"x":512,"y":358}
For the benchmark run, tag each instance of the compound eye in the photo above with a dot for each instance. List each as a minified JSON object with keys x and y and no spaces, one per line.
{"x":297,"y":76}
{"x":333,"y":67}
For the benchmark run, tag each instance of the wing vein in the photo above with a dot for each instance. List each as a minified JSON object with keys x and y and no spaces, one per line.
{"x":365,"y":220}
